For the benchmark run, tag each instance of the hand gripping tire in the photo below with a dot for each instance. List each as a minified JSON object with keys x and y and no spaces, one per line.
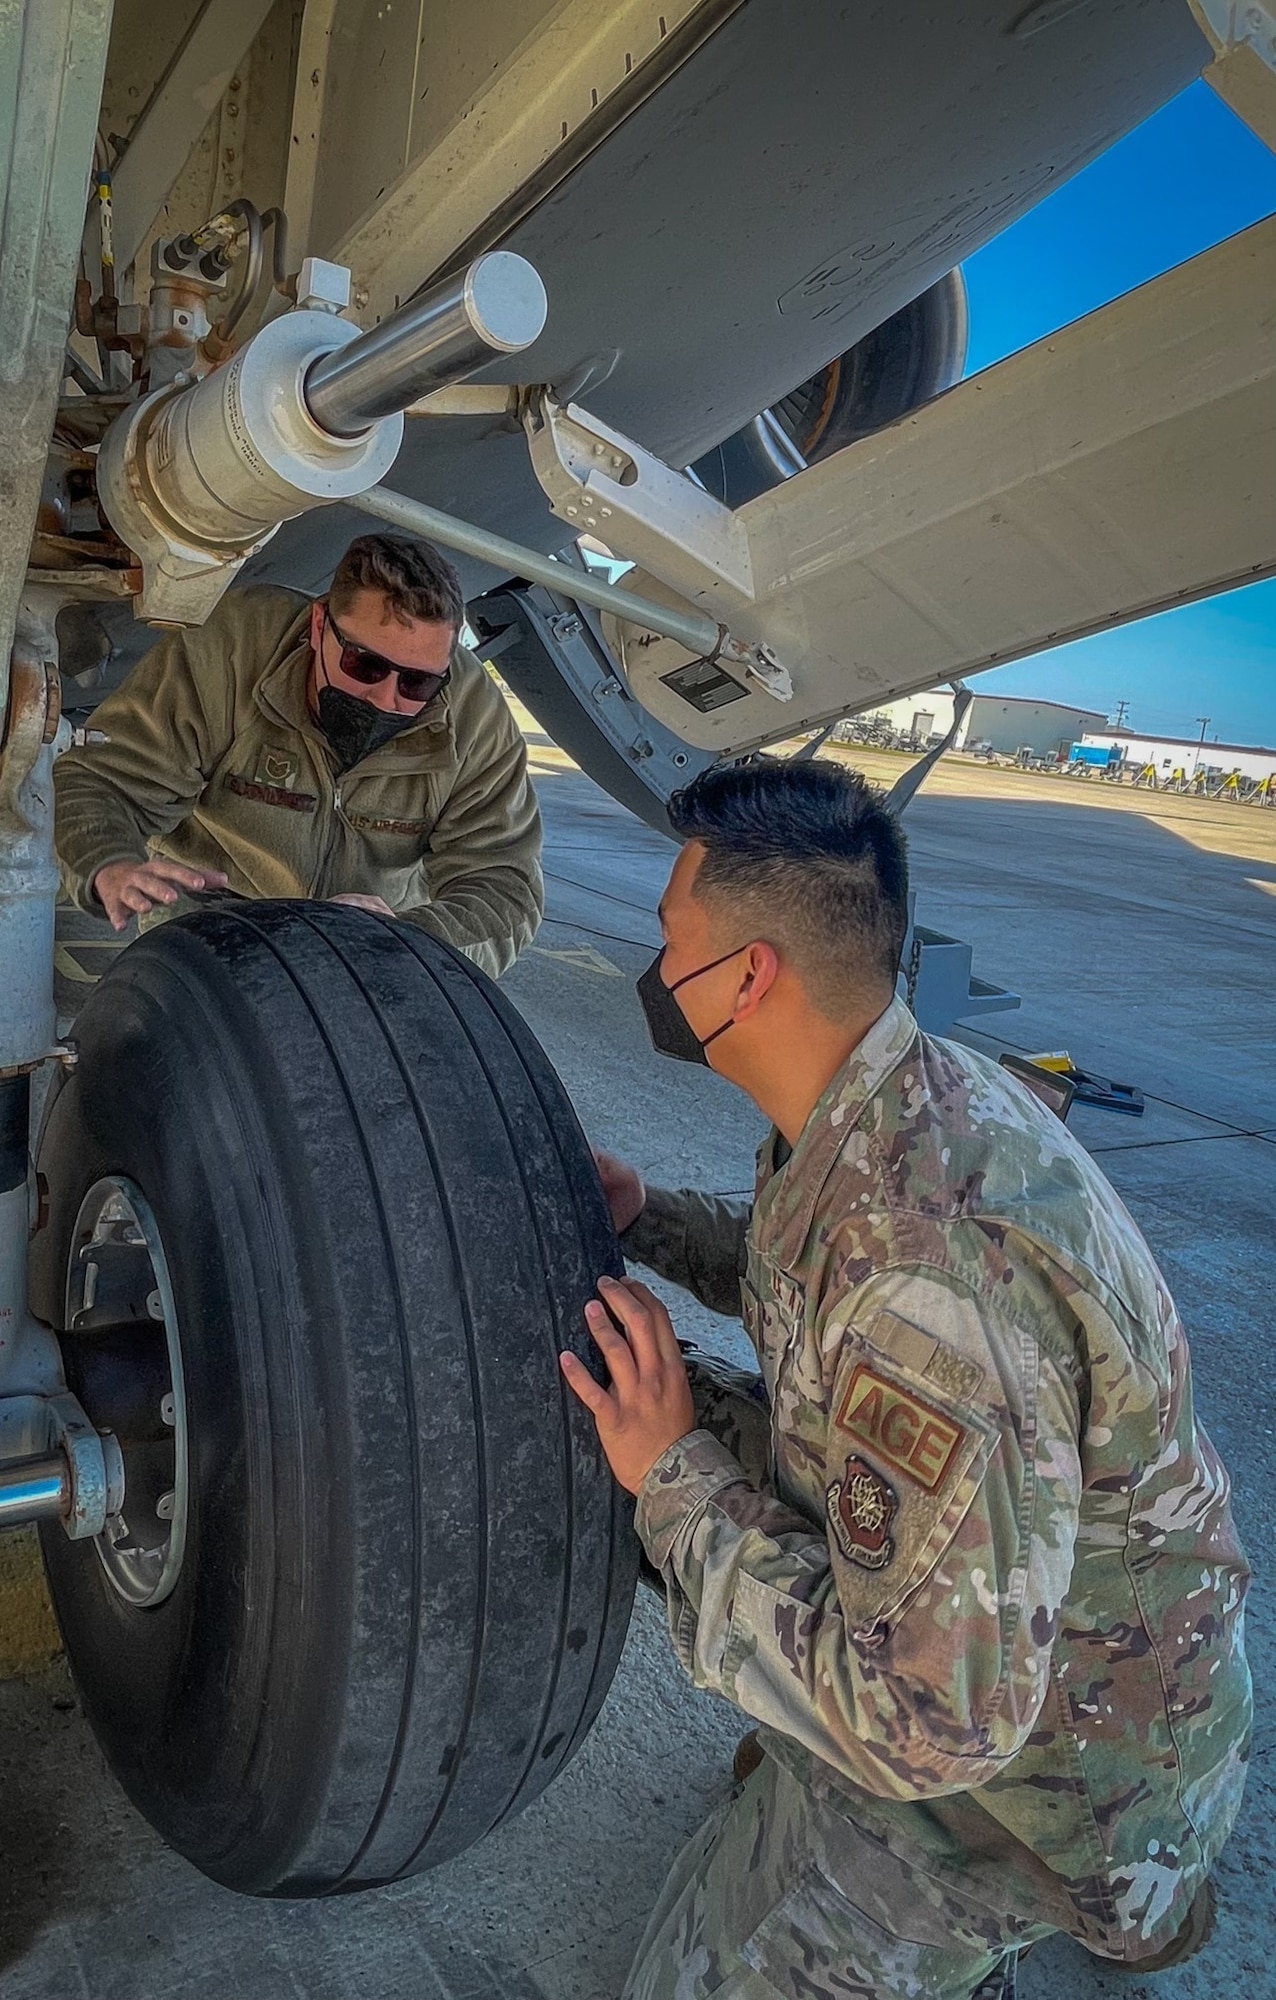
{"x":405,"y":1572}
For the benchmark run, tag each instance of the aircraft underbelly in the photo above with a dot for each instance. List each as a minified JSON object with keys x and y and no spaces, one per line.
{"x":803,"y":175}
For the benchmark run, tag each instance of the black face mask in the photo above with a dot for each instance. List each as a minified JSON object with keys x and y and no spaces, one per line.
{"x":671,"y":1032}
{"x":354,"y":728}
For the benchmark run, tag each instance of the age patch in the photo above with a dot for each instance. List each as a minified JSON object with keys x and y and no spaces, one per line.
{"x":918,"y":1440}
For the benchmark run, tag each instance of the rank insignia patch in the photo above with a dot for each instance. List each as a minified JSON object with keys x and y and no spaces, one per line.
{"x":861,"y":1507}
{"x":276,"y":767}
{"x":913,"y":1436}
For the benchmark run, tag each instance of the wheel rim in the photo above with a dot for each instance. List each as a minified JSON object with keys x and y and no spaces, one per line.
{"x":124,"y":1360}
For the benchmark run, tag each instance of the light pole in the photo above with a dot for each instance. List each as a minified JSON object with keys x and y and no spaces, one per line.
{"x":1120,"y":715}
{"x":1204,"y":721}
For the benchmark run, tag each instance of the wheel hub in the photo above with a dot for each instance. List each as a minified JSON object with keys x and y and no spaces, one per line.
{"x":123,"y":1360}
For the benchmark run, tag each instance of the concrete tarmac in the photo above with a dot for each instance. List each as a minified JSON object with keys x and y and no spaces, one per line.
{"x":1143,"y":949}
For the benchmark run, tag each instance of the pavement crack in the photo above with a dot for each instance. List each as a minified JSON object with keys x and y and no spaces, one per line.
{"x":566,"y":924}
{"x":591,"y":889}
{"x":1185,"y":1139}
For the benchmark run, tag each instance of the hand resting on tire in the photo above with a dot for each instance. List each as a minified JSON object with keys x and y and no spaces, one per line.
{"x":128,"y":889}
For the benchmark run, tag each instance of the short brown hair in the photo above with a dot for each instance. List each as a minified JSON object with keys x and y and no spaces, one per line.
{"x":415,"y":580}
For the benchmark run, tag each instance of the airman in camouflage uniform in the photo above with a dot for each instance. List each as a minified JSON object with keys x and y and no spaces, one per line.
{"x":971,"y":1562}
{"x":963,"y":1551}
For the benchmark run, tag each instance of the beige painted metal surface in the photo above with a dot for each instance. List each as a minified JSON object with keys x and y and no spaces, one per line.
{"x":393,"y":135}
{"x":314,"y":54}
{"x":1243,"y":71}
{"x":427,"y":135}
{"x":237,"y":145}
{"x":191,"y":90}
{"x":1119,"y":467}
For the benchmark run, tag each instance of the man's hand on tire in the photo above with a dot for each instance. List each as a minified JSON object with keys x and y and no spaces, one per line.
{"x":622,"y":1185}
{"x":128,"y":889}
{"x":648,"y":1405}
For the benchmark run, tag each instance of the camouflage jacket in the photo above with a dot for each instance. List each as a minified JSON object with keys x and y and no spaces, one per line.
{"x":988,"y":1596}
{"x":214,"y":759}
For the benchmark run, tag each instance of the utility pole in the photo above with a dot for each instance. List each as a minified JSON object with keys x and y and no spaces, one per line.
{"x":1204,"y":721}
{"x":1120,"y":715}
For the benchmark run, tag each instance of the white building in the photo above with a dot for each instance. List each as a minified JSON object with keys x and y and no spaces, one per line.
{"x":1188,"y":754}
{"x":1005,"y":722}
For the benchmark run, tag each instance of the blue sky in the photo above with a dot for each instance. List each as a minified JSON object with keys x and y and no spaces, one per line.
{"x":1190,"y":176}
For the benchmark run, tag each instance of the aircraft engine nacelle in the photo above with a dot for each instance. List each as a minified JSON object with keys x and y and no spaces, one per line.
{"x":915,"y":354}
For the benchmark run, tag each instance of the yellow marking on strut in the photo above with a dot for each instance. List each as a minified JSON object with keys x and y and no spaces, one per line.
{"x":68,"y":967}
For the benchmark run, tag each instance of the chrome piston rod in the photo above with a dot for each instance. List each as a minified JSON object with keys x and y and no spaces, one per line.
{"x":494,"y":308}
{"x":34,"y":1489}
{"x":696,"y":630}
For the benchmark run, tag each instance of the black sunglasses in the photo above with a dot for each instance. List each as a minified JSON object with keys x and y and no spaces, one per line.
{"x":359,"y":664}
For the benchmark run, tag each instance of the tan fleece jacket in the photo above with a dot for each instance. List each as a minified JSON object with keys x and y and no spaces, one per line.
{"x":214,"y":760}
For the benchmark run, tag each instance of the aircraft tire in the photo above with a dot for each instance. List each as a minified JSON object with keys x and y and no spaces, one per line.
{"x":404,"y":1573}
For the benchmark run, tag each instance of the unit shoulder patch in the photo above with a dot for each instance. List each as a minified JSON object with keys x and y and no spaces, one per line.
{"x":909,"y":1433}
{"x":861,"y":1507}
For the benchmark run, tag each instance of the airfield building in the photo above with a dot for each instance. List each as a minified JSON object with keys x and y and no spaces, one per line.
{"x":1002,"y":722}
{"x":1167,"y":754}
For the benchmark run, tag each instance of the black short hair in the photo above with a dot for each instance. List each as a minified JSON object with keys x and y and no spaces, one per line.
{"x":812,"y":856}
{"x":415,"y":578}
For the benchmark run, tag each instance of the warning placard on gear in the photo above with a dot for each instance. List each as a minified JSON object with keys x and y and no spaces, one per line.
{"x":705,"y":685}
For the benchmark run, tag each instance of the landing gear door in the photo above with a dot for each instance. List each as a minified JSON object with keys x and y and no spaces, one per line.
{"x":552,"y":655}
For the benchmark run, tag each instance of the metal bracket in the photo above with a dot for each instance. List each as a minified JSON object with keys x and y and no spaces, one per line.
{"x":96,"y":1465}
{"x":759,"y":662}
{"x":602,"y":483}
{"x":1232,"y":23}
{"x":1243,"y":72}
